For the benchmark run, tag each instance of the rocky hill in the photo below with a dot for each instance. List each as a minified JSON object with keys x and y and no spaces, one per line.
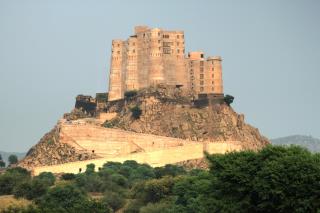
{"x":167,"y":112}
{"x":162,"y":112}
{"x":309,"y":142}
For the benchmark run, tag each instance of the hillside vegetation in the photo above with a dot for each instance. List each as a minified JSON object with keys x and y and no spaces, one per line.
{"x":274,"y":179}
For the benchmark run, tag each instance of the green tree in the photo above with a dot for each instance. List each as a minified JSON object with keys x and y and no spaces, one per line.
{"x":136,"y":112}
{"x":69,"y":199}
{"x":47,"y":178}
{"x":13,"y":159}
{"x":2,"y":164}
{"x":68,"y":176}
{"x":90,"y":168}
{"x":11,"y":178}
{"x":275,"y":179}
{"x":228,"y":99}
{"x":114,"y":200}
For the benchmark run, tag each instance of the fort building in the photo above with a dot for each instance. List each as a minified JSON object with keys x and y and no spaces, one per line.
{"x":155,"y":56}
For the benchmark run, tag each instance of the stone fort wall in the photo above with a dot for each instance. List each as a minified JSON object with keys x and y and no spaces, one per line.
{"x":153,"y":158}
{"x":118,"y":145}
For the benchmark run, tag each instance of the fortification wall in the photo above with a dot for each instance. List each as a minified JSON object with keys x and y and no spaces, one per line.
{"x":108,"y":142}
{"x":154,"y":158}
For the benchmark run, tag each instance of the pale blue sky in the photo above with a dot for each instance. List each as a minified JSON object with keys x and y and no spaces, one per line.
{"x":50,"y":51}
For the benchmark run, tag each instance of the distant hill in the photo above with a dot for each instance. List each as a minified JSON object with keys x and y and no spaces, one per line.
{"x":309,"y":142}
{"x":5,"y":155}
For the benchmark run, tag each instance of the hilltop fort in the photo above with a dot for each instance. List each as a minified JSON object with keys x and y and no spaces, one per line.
{"x":155,"y":56}
{"x":162,"y":107}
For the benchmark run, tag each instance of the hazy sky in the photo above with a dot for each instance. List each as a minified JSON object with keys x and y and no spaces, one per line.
{"x":50,"y":51}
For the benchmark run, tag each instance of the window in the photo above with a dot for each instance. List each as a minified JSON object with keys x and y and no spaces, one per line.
{"x":166,"y":50}
{"x":159,"y":48}
{"x":178,"y":51}
{"x":178,"y":43}
{"x":118,"y":45}
{"x":118,"y":52}
{"x":159,"y":41}
{"x":133,"y":50}
{"x":201,"y":76}
{"x":158,"y":34}
{"x":201,"y":63}
{"x":201,"y":82}
{"x":212,"y":69}
{"x":201,"y":55}
{"x":133,"y":43}
{"x":201,"y":69}
{"x":178,"y":36}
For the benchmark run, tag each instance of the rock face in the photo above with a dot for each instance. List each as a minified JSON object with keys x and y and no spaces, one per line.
{"x":168,"y":113}
{"x":50,"y":151}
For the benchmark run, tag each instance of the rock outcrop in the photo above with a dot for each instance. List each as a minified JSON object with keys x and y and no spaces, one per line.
{"x":166,"y":112}
{"x":50,"y":151}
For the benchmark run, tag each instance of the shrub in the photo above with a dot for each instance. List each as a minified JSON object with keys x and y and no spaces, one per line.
{"x":130,"y":94}
{"x":228,"y":99}
{"x":136,"y":112}
{"x":2,"y":164}
{"x":68,"y":176}
{"x":47,"y":178}
{"x":90,"y":168}
{"x":11,"y":178}
{"x":114,"y":200}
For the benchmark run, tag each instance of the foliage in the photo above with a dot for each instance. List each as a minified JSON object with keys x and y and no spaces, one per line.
{"x":130,"y":94}
{"x":13,"y":159}
{"x":68,"y":176}
{"x":114,"y":200}
{"x":136,"y":112}
{"x":90,"y":168}
{"x":228,"y":99}
{"x":31,"y":190}
{"x":46,"y":178}
{"x":2,"y":164}
{"x":77,"y":201}
{"x":274,"y":179}
{"x":169,"y":169}
{"x":11,"y":178}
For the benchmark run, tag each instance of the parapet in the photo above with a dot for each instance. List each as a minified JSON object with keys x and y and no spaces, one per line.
{"x":218,"y":58}
{"x":196,"y":55}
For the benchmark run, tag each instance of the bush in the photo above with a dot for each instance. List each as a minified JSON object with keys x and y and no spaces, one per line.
{"x":30,"y":190}
{"x":47,"y":178}
{"x":90,"y":168}
{"x":130,"y":94}
{"x":114,"y":200}
{"x":68,"y":176}
{"x":228,"y":99}
{"x":11,"y":178}
{"x":275,"y":179}
{"x":169,"y":169}
{"x":162,"y":207}
{"x":2,"y":164}
{"x":136,"y":112}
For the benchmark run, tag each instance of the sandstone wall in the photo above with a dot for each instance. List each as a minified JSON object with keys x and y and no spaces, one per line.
{"x":107,"y":142}
{"x":156,"y":158}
